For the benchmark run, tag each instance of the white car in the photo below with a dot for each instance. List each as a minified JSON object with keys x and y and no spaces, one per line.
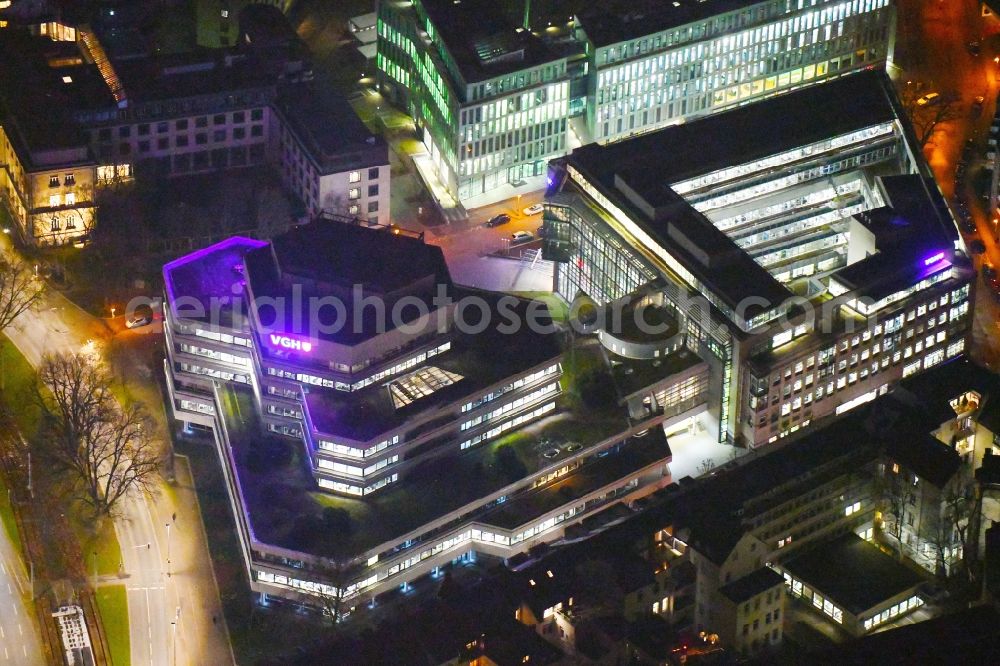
{"x":533,"y":209}
{"x":521,"y":237}
{"x":135,"y":321}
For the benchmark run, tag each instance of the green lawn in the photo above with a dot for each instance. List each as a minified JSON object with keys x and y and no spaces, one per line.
{"x":112,"y":602}
{"x":7,"y":515}
{"x":99,"y":539}
{"x":17,"y":381}
{"x":558,"y":308}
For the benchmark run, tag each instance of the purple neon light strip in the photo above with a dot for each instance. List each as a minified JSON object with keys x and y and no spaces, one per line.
{"x":250,"y":243}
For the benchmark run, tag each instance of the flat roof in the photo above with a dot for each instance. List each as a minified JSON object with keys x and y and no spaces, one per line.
{"x":37,"y":97}
{"x":852,"y":573}
{"x":613,"y":21}
{"x":766,"y":127}
{"x":928,"y":457}
{"x":481,"y":359}
{"x":640,"y":452}
{"x":283,"y":503}
{"x":180,"y":75}
{"x":482,"y":41}
{"x":746,"y":588}
{"x":341,"y":259}
{"x":345,"y":254}
{"x":207,"y":276}
{"x":331,"y":131}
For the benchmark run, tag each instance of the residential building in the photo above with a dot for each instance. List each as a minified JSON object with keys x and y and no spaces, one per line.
{"x":852,"y":582}
{"x":494,"y":99}
{"x":476,"y":423}
{"x":752,"y":609}
{"x":809,"y":258}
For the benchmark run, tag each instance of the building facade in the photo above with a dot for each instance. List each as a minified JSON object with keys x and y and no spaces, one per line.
{"x":650,"y":69}
{"x":172,"y":116}
{"x":378,"y":416}
{"x":495,"y":101}
{"x":491,"y":102}
{"x":806,"y":219}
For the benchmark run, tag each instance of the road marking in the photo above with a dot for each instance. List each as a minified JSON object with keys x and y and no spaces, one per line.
{"x":9,"y":591}
{"x":4,"y":567}
{"x":5,"y":654}
{"x":20,"y":631}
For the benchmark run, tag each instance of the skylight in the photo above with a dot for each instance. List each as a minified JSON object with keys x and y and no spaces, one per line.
{"x":420,"y":384}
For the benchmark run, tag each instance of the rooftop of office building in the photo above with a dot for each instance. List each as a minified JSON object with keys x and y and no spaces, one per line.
{"x":640,"y":175}
{"x":334,"y":136}
{"x":286,"y":509}
{"x":483,"y":41}
{"x":180,"y":75}
{"x":348,"y":261}
{"x":473,"y":364}
{"x":743,"y":134}
{"x":615,"y":21}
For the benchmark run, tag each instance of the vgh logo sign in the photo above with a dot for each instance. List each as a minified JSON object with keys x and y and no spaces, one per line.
{"x":287,"y":342}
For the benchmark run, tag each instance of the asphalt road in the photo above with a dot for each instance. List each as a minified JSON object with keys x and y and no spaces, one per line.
{"x":933,"y":37}
{"x":19,"y":644}
{"x":153,"y":597}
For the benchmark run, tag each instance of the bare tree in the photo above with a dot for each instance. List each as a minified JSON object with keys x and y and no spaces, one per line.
{"x":930,"y":117}
{"x":19,"y":292}
{"x":336,"y":575}
{"x":108,"y":449}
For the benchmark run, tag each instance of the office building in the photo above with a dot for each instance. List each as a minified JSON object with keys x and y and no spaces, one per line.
{"x":808,"y":256}
{"x":493,"y":99}
{"x":652,"y":64}
{"x":490,"y":100}
{"x":429,"y":441}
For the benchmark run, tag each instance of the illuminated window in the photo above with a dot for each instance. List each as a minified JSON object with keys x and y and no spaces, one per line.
{"x":54,"y":200}
{"x":354,"y":193}
{"x":354,"y":177}
{"x":419,"y":384}
{"x":71,"y":199}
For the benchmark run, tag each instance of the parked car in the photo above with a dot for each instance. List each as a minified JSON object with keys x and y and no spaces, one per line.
{"x":521,"y":237}
{"x":929,"y":98}
{"x":533,"y":209}
{"x":550,"y":454}
{"x":973,"y":48}
{"x":497,"y":220}
{"x":137,"y":320}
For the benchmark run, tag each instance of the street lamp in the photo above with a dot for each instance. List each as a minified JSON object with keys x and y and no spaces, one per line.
{"x":113,"y":313}
{"x":168,"y":549}
{"x":177,"y":619}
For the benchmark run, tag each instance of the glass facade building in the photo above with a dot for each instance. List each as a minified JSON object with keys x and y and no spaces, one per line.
{"x":491,"y":109}
{"x":494,"y":102}
{"x":837,"y":216}
{"x":641,"y":79}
